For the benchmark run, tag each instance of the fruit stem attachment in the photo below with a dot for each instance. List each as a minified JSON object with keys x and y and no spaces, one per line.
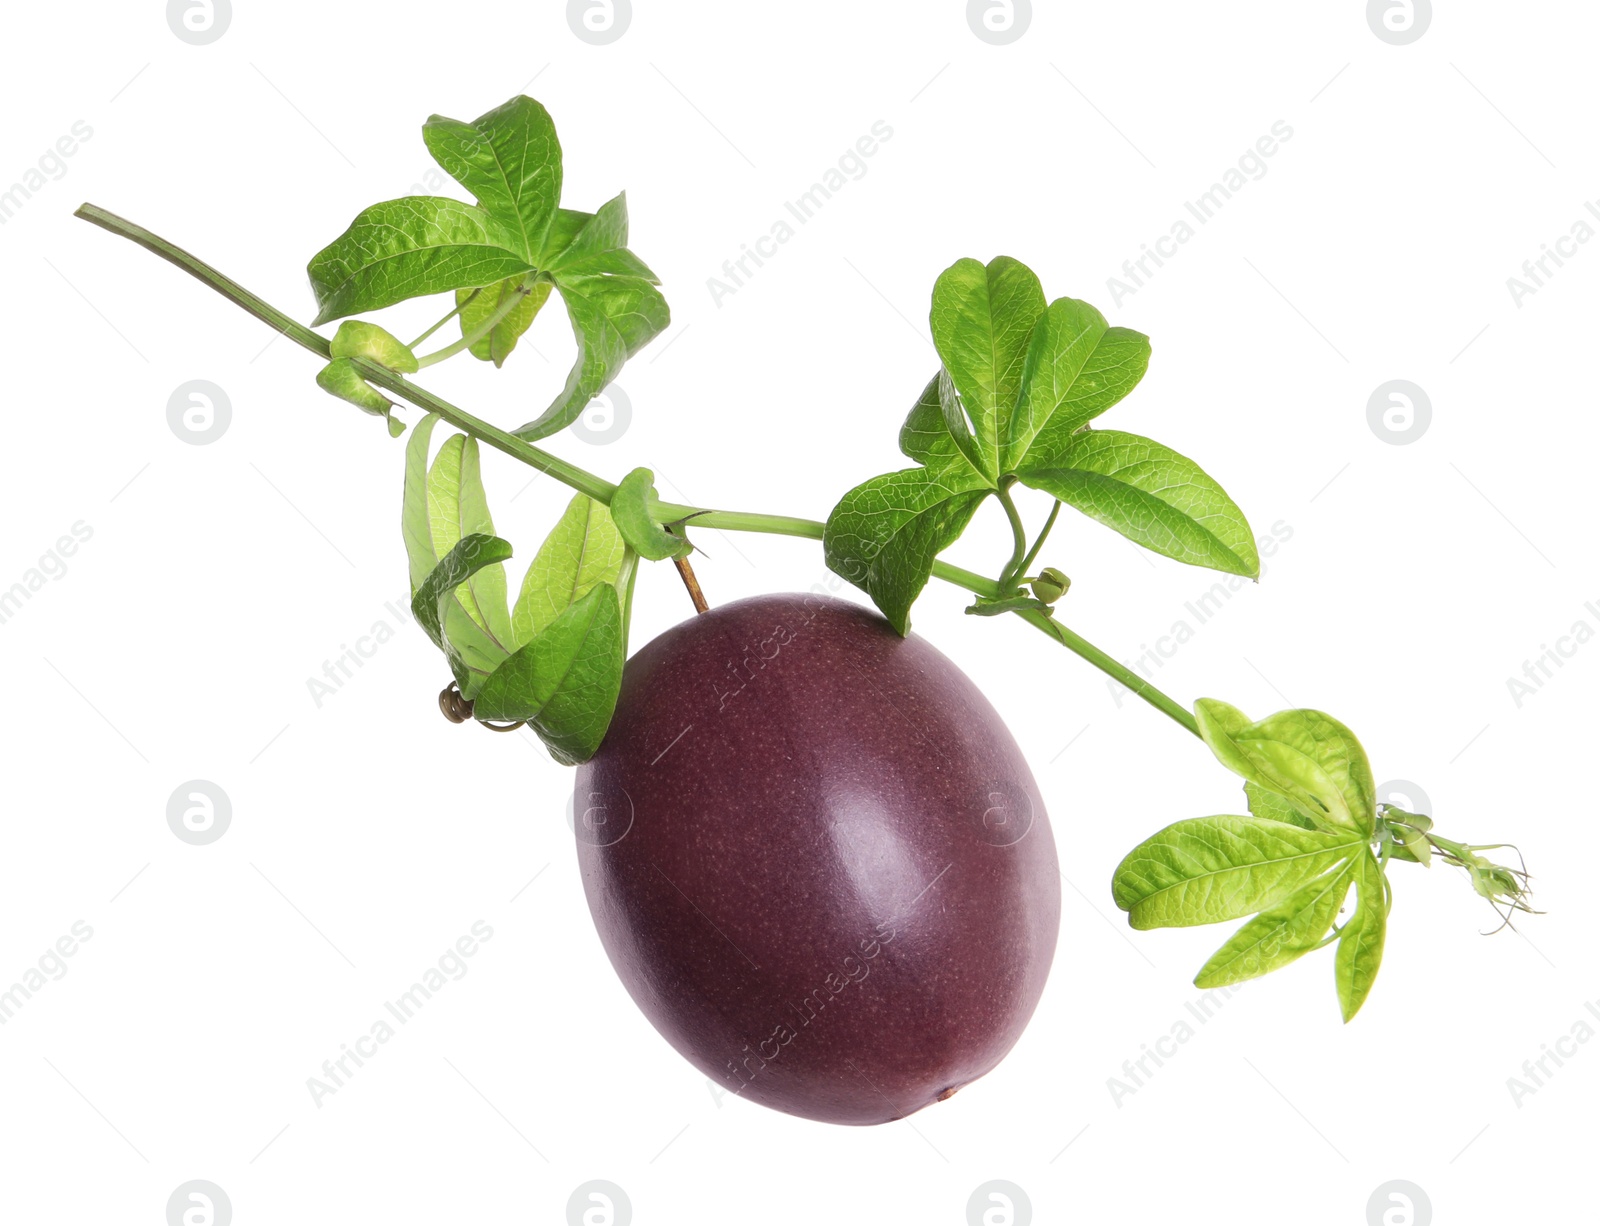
{"x":692,"y":584}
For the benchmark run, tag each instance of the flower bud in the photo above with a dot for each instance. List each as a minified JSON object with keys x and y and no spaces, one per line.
{"x":1051,"y":585}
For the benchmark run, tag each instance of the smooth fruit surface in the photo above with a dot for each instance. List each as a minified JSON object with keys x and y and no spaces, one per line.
{"x":817,"y":860}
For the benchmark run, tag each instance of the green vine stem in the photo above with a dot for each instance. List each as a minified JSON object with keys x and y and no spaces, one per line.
{"x":596,"y":487}
{"x":496,"y":318}
{"x":459,"y":307}
{"x":1038,"y":544}
{"x":1019,"y":537}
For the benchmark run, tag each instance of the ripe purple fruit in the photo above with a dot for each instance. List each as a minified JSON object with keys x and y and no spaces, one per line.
{"x":817,"y":860}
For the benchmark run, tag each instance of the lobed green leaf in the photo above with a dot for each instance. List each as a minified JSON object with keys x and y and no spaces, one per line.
{"x":613,"y":317}
{"x":564,"y":681}
{"x":407,"y":248}
{"x":1355,"y":962}
{"x":884,"y":535}
{"x":434,"y":604}
{"x":479,"y":305}
{"x":1209,"y":869}
{"x":458,"y":507}
{"x":928,"y":438}
{"x":1152,"y":495}
{"x":583,"y":550}
{"x":1076,"y":368}
{"x":1275,"y":807}
{"x":1290,"y":928}
{"x":510,"y":160}
{"x":600,"y":245}
{"x":982,"y":319}
{"x":1306,"y":756}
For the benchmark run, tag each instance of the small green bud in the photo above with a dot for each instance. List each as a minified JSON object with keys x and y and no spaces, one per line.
{"x":340,"y":378}
{"x":356,"y":338}
{"x":1051,"y":585}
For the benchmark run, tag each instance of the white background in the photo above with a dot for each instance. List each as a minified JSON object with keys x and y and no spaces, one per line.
{"x":368,"y":834}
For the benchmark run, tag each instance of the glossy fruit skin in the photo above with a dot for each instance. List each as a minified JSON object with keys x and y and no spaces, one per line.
{"x":818,"y":860}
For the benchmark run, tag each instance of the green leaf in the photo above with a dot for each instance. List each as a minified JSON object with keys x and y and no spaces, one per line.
{"x":1306,"y":756}
{"x":414,"y":526}
{"x":436,"y":600}
{"x":478,"y":305}
{"x":1355,"y":962}
{"x":1280,"y":934}
{"x":885,"y":534}
{"x":613,"y":317}
{"x":633,"y":510}
{"x":1209,"y":869}
{"x":982,"y":606}
{"x":601,"y":246}
{"x":564,"y":228}
{"x":1268,"y":804}
{"x":1153,"y":496}
{"x":982,"y":318}
{"x":510,"y":160}
{"x":926,"y":438}
{"x":583,"y":550}
{"x":1076,"y":368}
{"x":457,"y":508}
{"x":1410,"y":831}
{"x":356,"y":338}
{"x":406,"y":248}
{"x":340,"y":378}
{"x":566,"y":679}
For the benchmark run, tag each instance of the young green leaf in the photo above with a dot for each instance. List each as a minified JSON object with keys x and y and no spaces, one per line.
{"x":1280,"y":934}
{"x":1306,"y":756}
{"x":458,"y":507}
{"x":982,"y":606}
{"x":584,"y":549}
{"x":472,"y":643}
{"x":1271,"y":805}
{"x":885,"y":534}
{"x":1208,"y":869}
{"x":340,"y":378}
{"x":633,"y":510}
{"x":613,"y":317}
{"x":478,"y":306}
{"x":566,"y":679}
{"x":356,"y":338}
{"x":982,"y":318}
{"x":1355,"y":962}
{"x":1076,"y":368}
{"x":406,"y":248}
{"x":1410,"y":833}
{"x":510,"y":160}
{"x":434,"y":603}
{"x":564,"y":228}
{"x":926,"y":436}
{"x":1153,"y":496}
{"x":414,"y":527}
{"x":600,"y":246}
